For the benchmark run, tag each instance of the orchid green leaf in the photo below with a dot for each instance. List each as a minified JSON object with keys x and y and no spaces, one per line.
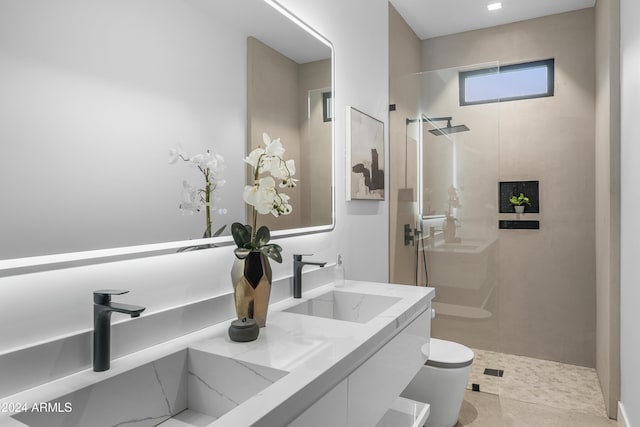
{"x":272,"y":251}
{"x":219,"y":231}
{"x":262,"y":236}
{"x":241,"y":234}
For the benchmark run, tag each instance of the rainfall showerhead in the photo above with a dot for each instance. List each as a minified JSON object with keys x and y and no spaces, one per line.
{"x":449,"y":130}
{"x":438,"y":131}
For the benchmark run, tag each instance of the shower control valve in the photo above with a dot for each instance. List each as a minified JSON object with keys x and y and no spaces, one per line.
{"x":408,"y":235}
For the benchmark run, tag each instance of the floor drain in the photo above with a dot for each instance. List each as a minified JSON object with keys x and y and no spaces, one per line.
{"x":494,"y":372}
{"x":475,"y":387}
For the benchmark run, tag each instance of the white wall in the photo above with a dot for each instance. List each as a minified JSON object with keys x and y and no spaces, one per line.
{"x":359,"y":32}
{"x":630,"y":206}
{"x":40,"y":306}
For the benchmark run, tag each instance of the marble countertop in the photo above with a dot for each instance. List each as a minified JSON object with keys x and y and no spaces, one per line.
{"x":316,"y":352}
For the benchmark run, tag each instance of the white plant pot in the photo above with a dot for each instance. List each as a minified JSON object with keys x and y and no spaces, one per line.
{"x":519,"y":209}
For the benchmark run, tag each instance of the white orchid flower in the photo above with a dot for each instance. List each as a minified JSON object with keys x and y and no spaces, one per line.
{"x":175,"y":155}
{"x":210,"y":161}
{"x":216,"y":163}
{"x":191,"y":201}
{"x":275,"y":148}
{"x":291,"y":167}
{"x":199,"y":160}
{"x":272,"y":147}
{"x":288,"y":183}
{"x":269,"y":167}
{"x":215,"y":182}
{"x":280,"y":169}
{"x":267,"y":164}
{"x":261,"y":195}
{"x":254,"y":157}
{"x":281,"y":205}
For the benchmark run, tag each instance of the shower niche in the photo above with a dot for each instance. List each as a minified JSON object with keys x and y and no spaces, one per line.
{"x":509,"y":189}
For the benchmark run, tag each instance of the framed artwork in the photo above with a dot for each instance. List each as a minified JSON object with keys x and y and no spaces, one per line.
{"x":365,"y":156}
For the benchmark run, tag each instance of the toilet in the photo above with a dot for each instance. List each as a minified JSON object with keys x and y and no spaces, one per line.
{"x":442,"y":381}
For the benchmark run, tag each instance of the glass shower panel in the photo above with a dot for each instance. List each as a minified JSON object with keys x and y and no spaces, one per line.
{"x":403,"y":181}
{"x":457,"y":148}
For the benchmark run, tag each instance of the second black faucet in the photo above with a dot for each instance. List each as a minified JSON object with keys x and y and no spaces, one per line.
{"x":298,"y":263}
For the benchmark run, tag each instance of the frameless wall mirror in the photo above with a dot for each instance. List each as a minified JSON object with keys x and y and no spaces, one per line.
{"x":95,"y":94}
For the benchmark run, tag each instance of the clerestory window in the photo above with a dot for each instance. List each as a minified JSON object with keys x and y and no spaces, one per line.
{"x":507,"y":83}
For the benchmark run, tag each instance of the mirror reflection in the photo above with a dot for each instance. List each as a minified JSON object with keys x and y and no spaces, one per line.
{"x":95,"y":94}
{"x":288,"y":100}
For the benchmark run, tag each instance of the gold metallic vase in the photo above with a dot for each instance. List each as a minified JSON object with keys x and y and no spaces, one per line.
{"x":251,"y":279}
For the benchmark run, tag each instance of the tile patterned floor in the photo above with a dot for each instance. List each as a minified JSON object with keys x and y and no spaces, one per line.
{"x":532,"y":393}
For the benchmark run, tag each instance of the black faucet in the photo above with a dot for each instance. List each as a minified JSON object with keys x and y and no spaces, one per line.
{"x":297,"y":273}
{"x":102,"y":309}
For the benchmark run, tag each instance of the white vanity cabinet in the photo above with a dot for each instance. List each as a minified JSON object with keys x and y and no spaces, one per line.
{"x":363,"y":398}
{"x":378,"y":382}
{"x":330,"y":410}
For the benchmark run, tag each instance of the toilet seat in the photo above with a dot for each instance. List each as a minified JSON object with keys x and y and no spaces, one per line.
{"x":447,"y":354}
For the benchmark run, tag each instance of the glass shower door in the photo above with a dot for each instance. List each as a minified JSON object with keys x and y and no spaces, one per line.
{"x":453,"y":209}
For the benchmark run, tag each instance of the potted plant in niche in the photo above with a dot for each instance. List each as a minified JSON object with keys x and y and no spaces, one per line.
{"x":251,"y":272}
{"x":518,"y":203}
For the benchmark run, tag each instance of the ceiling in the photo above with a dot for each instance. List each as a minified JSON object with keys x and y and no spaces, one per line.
{"x":433,"y":18}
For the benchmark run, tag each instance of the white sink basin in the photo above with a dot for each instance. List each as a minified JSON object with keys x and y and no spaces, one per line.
{"x":190,"y":387}
{"x":347,"y":306}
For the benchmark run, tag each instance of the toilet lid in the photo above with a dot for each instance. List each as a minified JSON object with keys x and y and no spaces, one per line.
{"x":447,"y":354}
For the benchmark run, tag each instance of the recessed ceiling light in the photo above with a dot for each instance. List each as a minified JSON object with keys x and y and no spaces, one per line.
{"x":494,"y":6}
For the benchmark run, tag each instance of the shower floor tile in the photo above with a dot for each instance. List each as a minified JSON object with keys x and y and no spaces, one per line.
{"x":553,"y":384}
